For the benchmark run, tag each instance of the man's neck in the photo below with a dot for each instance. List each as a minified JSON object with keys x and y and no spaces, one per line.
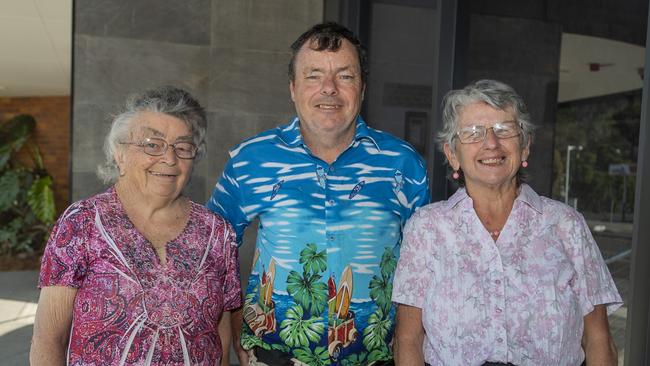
{"x":328,"y":148}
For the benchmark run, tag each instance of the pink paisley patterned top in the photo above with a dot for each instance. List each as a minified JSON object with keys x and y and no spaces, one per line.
{"x":129,"y":308}
{"x":520,"y":299}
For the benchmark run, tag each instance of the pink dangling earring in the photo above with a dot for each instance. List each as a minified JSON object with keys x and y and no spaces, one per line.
{"x":524,"y":164}
{"x":455,"y":175}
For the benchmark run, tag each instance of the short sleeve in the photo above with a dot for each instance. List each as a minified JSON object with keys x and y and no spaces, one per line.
{"x":419,"y":185}
{"x":231,"y":284}
{"x":594,"y":284}
{"x":411,"y":278}
{"x":64,"y":261}
{"x":227,"y":201}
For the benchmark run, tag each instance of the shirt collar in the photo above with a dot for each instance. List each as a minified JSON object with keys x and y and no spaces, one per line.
{"x":526,"y":195}
{"x":290,"y":133}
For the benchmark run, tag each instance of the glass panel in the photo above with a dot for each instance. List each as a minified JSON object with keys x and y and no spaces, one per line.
{"x":596,"y":144}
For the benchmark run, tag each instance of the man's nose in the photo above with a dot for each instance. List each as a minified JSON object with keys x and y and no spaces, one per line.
{"x":328,"y":87}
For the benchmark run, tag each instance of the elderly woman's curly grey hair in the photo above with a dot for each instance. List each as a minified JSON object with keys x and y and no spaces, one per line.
{"x":168,"y":100}
{"x":494,"y":93}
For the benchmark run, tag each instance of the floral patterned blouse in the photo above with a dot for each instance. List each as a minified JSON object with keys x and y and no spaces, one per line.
{"x":130,"y":309}
{"x":520,"y":299}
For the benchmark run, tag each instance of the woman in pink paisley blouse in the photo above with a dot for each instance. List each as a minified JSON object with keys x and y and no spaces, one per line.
{"x":139,"y":274}
{"x":498,"y":275}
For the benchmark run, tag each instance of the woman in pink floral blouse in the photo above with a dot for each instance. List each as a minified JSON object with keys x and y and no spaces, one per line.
{"x":498,"y":275}
{"x":139,"y":274}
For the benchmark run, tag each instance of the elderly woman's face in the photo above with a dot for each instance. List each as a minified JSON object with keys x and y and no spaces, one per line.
{"x":493,"y":161}
{"x":163,"y":175}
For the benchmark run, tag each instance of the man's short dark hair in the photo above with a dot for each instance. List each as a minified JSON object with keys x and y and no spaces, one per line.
{"x":327,"y":37}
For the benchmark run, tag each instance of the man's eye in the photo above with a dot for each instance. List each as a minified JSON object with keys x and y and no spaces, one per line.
{"x":311,"y":77}
{"x":347,"y":77}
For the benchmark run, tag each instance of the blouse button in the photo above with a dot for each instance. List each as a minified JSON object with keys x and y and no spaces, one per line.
{"x":500,"y":340}
{"x":498,"y":282}
{"x":498,"y":310}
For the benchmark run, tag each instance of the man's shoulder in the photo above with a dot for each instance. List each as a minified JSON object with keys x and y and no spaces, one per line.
{"x":386,"y":140}
{"x":269,"y":139}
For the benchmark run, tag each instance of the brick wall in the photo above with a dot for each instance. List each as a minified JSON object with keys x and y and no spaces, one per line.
{"x":52,"y":135}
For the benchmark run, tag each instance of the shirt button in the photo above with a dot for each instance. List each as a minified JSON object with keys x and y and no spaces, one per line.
{"x":498,"y":311}
{"x":500,"y":340}
{"x":331,"y":202}
{"x":498,"y":282}
{"x":332,"y":169}
{"x":330,"y":237}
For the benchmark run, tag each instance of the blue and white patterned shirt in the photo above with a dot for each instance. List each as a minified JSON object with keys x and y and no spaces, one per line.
{"x":328,"y":240}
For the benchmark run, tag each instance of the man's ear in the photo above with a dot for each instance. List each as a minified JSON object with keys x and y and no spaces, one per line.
{"x":451,"y":157}
{"x":292,"y":91}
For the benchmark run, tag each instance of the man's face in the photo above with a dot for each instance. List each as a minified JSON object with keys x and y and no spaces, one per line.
{"x":327,"y":91}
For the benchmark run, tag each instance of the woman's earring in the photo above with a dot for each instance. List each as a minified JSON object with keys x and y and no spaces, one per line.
{"x":524,"y":164}
{"x":455,"y":175}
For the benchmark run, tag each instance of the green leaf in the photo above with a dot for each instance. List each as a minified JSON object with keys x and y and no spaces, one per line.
{"x":318,"y":357}
{"x":249,"y":341}
{"x":9,"y":189}
{"x":36,"y":156}
{"x":388,"y":263}
{"x":281,"y":347}
{"x":374,"y":336}
{"x":13,"y":135}
{"x":297,"y":331}
{"x":312,"y":260}
{"x":379,"y":354}
{"x":41,"y":199}
{"x":381,"y":290}
{"x":356,"y":359}
{"x":308,"y":291}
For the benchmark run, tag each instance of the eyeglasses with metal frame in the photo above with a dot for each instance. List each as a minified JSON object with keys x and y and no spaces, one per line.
{"x":156,"y":147}
{"x":477,"y":133}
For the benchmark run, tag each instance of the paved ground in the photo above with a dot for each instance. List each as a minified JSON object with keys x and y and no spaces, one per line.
{"x":18,"y":297}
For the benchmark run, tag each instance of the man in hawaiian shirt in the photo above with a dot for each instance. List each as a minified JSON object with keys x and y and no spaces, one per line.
{"x":331,"y":195}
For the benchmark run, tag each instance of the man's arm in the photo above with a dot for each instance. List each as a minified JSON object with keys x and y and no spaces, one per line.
{"x":52,"y":326}
{"x":597,"y":342}
{"x":409,"y":336}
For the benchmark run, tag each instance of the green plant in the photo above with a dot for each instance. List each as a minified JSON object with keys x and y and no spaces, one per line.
{"x":26,"y":199}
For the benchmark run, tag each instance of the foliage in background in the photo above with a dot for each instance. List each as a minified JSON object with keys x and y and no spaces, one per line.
{"x":608,"y":130}
{"x":26,"y":199}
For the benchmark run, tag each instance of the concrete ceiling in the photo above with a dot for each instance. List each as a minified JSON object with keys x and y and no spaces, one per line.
{"x":35,"y":39}
{"x":592,"y":66}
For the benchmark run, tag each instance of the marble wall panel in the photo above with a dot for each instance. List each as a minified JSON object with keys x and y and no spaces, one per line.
{"x":107,"y":70}
{"x":249,"y":80}
{"x":186,"y":21}
{"x":263,"y":25}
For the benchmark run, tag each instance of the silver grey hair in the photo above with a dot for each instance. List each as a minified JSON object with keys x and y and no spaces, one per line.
{"x":496,"y":94}
{"x":168,"y":100}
